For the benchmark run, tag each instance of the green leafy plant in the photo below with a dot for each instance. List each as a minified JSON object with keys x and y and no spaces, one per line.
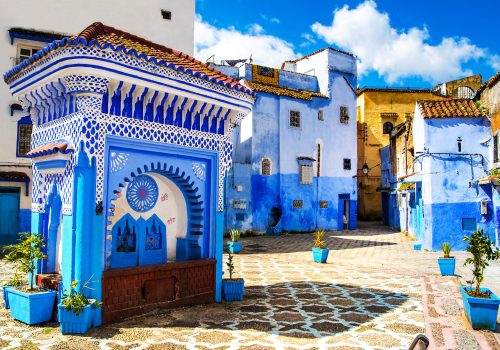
{"x":26,"y":253}
{"x":482,"y":249}
{"x":318,"y":239}
{"x":235,"y":235}
{"x":446,"y":247}
{"x":15,"y":281}
{"x":73,"y":300}
{"x":495,"y":172}
{"x":230,"y":264}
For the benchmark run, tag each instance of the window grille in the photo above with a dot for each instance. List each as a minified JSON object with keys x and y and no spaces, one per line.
{"x":306,"y":174}
{"x":265,"y":167}
{"x":323,"y":204}
{"x":240,"y":204}
{"x":295,"y":119}
{"x":347,"y":164}
{"x":23,"y":139}
{"x":297,"y":204}
{"x":344,"y":115}
{"x":318,"y":161}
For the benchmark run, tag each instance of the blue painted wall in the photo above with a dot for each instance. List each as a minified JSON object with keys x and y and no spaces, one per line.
{"x":390,"y":210}
{"x":266,"y":133}
{"x":451,"y":197}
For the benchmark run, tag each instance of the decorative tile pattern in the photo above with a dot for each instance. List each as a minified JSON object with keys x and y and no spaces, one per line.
{"x":142,"y":193}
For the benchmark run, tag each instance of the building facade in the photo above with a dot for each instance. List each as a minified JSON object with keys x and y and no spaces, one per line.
{"x":295,"y":155}
{"x":27,"y":26}
{"x":451,"y":145}
{"x":129,"y":158}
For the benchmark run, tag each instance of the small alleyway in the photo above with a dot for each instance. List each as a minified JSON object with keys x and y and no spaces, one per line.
{"x":375,"y":292}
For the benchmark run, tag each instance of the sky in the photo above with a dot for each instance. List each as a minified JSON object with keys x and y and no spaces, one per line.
{"x":416,"y":43}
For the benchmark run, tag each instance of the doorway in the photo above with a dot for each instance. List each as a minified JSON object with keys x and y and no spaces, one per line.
{"x":9,"y":214}
{"x":344,"y":213}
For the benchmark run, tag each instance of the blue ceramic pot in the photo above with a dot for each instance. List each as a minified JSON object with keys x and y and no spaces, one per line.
{"x":6,"y":296}
{"x":31,"y":308}
{"x":481,"y":312}
{"x":447,"y":266}
{"x":75,"y":324}
{"x":320,"y":255}
{"x":234,"y":247}
{"x":233,"y":290}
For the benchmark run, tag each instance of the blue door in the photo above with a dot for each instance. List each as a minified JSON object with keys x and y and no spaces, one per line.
{"x":9,"y":214}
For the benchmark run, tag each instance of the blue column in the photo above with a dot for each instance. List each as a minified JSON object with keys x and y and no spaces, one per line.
{"x":83,"y":216}
{"x":38,"y":221}
{"x":68,"y":251}
{"x":219,"y":242}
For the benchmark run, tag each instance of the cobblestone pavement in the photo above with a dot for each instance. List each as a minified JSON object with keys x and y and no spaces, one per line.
{"x":368,"y":296}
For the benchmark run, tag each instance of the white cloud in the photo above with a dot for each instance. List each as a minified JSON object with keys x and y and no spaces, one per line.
{"x":308,"y":40}
{"x":495,"y":62}
{"x":270,"y":19}
{"x":229,"y":43}
{"x":393,"y":54}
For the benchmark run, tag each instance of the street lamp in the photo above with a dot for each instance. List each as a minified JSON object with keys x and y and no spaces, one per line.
{"x":365,"y":169}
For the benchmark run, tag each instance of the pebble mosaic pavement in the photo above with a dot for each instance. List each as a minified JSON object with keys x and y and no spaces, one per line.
{"x":368,"y":296}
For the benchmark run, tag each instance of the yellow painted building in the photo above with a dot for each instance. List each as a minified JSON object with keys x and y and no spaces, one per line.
{"x":379,"y":110}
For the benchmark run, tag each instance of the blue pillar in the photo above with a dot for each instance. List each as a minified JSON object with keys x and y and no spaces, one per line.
{"x":54,"y":205}
{"x":219,"y":243}
{"x":38,"y":221}
{"x":68,"y":251}
{"x":83,"y":217}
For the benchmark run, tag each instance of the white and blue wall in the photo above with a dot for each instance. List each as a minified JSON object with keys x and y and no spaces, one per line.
{"x":267,"y":134}
{"x":451,"y":202}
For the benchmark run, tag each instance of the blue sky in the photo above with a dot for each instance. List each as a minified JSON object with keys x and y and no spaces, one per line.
{"x":398,"y":43}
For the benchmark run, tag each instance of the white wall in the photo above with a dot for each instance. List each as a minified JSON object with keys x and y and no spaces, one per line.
{"x":142,"y":18}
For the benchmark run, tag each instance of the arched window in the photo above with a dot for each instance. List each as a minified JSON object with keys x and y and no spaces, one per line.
{"x":387,"y":127}
{"x":265,"y":167}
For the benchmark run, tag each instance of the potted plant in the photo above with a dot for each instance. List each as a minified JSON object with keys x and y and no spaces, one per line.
{"x":447,"y":262}
{"x":75,"y":312}
{"x":12,"y":283}
{"x":232,"y":288}
{"x":27,"y":303}
{"x":320,"y":253}
{"x":234,"y":245}
{"x":480,"y":304}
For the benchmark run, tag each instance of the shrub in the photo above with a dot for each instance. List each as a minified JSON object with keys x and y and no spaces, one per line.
{"x":318,"y":240}
{"x":446,"y":247}
{"x":482,"y":249}
{"x":235,"y":235}
{"x":75,"y":301}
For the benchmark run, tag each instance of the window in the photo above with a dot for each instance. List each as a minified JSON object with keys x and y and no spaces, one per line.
{"x":469,"y":224}
{"x":459,"y":144}
{"x":387,"y":127}
{"x":347,"y":164}
{"x":240,"y":217}
{"x":25,"y":53}
{"x":24,"y":128}
{"x":306,"y":174}
{"x":318,"y":161}
{"x":265,"y":167}
{"x":344,"y":115}
{"x":166,"y":14}
{"x":295,"y":119}
{"x":320,"y":115}
{"x":323,"y":204}
{"x":240,"y":204}
{"x":297,"y":204}
{"x":495,"y":148}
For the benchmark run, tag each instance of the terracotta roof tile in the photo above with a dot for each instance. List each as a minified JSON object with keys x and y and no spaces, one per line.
{"x":50,"y":148}
{"x":281,"y":91}
{"x":108,"y":37}
{"x":452,"y":108}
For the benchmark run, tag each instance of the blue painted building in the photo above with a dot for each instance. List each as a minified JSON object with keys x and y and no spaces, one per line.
{"x":295,"y":155}
{"x":451,"y":145}
{"x":131,"y":145}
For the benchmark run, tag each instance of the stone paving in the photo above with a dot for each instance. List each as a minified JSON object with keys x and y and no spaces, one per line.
{"x":368,"y":296}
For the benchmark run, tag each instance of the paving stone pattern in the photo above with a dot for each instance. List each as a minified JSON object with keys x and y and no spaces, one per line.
{"x":368,"y":296}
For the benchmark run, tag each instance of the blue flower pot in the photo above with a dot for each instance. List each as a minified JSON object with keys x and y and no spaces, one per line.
{"x":31,"y":308}
{"x":320,"y":255}
{"x":234,"y":247}
{"x":71,"y":323}
{"x":481,"y":312}
{"x":417,"y":246}
{"x":6,"y":296}
{"x":233,"y":290}
{"x":447,"y":266}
